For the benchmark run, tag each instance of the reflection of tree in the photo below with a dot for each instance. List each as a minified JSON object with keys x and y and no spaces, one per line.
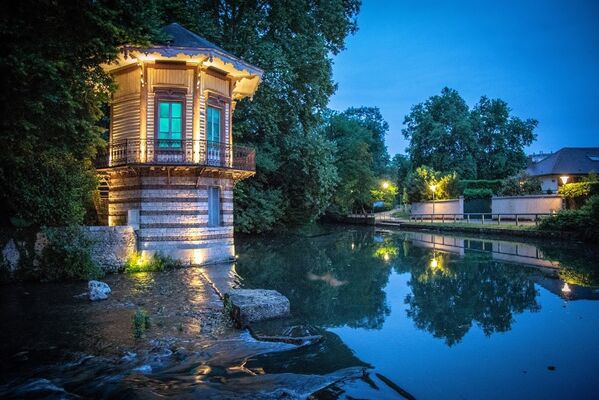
{"x":331,"y":280}
{"x":578,"y":265}
{"x":452,"y":292}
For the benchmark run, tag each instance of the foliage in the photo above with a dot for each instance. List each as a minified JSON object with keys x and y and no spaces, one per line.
{"x":520,"y":185}
{"x":52,"y":91}
{"x":66,"y":256}
{"x":484,"y":143}
{"x":387,"y":193}
{"x":418,"y":185}
{"x":492,"y":184}
{"x":156,"y":262}
{"x":141,"y":322}
{"x":470,"y":194}
{"x":584,"y":220}
{"x":579,"y":189}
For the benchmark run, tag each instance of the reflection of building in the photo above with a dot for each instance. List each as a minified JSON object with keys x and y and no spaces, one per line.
{"x":567,"y":291}
{"x":570,"y":162}
{"x":501,"y":250}
{"x":171,"y":163}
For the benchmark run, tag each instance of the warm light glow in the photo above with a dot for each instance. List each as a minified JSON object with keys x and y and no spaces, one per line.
{"x":385,"y":185}
{"x":353,"y":246}
{"x":434,"y":263}
{"x":564,"y":179}
{"x":566,"y":288}
{"x":433,"y":187}
{"x":386,"y":257}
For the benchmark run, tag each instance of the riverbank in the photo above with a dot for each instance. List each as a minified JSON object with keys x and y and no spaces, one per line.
{"x":520,"y":231}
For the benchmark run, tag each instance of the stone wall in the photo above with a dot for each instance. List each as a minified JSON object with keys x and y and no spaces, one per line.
{"x":451,"y":206}
{"x":112,"y":245}
{"x":535,"y":204}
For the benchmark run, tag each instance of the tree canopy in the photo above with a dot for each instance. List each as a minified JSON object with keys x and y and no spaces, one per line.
{"x":485,"y":142}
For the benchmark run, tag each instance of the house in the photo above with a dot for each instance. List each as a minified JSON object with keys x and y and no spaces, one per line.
{"x":171,"y":164}
{"x":567,"y":165}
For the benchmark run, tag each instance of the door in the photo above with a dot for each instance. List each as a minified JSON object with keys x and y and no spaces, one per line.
{"x":213,"y":146}
{"x":170,"y":124}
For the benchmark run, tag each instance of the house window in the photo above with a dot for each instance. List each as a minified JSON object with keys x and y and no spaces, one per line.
{"x":170,"y":124}
{"x":214,"y":124}
{"x":213,"y":206}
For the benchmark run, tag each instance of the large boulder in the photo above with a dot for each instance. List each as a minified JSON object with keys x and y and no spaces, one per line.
{"x":250,"y":305}
{"x":98,"y":290}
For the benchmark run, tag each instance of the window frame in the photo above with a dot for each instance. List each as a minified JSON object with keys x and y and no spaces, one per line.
{"x":171,"y":96}
{"x":218,"y":209}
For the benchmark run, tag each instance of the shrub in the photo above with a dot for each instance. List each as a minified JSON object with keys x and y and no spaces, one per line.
{"x":584,"y":220}
{"x":494,"y":185}
{"x":418,"y":185}
{"x":67,"y":256}
{"x":471,"y":194}
{"x":157,"y":262}
{"x":141,"y":322}
{"x":577,"y":193}
{"x":520,"y":185}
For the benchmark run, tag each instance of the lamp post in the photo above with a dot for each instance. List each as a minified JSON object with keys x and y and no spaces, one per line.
{"x":433,"y":187}
{"x":564,"y":179}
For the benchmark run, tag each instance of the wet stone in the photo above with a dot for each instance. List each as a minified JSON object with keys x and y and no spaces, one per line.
{"x":250,"y":305}
{"x":98,"y":290}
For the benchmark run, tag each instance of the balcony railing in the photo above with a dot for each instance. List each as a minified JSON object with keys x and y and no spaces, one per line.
{"x":177,"y":152}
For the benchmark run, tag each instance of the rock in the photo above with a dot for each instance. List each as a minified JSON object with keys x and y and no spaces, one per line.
{"x":98,"y":290}
{"x":249,"y":305}
{"x":11,"y":255}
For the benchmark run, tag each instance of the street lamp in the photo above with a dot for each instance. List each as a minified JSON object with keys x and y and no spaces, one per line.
{"x":564,"y":179}
{"x":433,"y":187}
{"x":385,"y":185}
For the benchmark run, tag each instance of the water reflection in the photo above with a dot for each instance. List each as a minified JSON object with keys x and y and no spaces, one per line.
{"x":455,"y":282}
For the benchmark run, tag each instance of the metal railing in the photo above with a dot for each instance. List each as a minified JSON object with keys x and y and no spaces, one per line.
{"x":469,"y":218}
{"x":177,"y":152}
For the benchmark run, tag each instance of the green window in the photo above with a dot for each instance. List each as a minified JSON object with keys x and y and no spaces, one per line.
{"x":213,"y":124}
{"x":170,"y":122}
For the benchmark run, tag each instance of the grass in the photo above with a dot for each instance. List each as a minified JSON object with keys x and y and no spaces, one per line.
{"x":141,"y":322}
{"x":157,"y":262}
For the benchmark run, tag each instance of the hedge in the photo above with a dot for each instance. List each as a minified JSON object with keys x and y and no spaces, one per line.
{"x":471,"y":194}
{"x":492,"y":184}
{"x":577,"y":193}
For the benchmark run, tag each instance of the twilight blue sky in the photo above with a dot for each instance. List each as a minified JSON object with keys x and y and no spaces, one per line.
{"x":541,"y":56}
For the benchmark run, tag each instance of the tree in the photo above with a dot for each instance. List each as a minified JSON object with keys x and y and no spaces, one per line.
{"x":52,"y":91}
{"x":440,"y":135}
{"x":484,"y":143}
{"x":372,"y":119}
{"x":520,"y":185}
{"x":500,"y":139}
{"x":418,"y":185}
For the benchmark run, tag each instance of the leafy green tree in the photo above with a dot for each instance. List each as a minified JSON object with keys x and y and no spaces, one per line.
{"x":519,"y":185}
{"x":385,"y":192}
{"x":418,"y":185}
{"x":440,"y":134}
{"x":483,"y":143}
{"x":51,"y":94}
{"x":372,"y":119}
{"x":500,"y":139}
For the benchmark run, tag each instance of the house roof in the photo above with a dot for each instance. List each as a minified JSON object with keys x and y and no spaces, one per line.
{"x":569,"y":160}
{"x":185,"y":42}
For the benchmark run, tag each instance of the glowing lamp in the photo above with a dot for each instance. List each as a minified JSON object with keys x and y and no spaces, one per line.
{"x":566,"y":288}
{"x":564,"y":179}
{"x":385,"y":185}
{"x":434,"y":263}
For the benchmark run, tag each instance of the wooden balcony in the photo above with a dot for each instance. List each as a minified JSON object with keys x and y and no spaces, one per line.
{"x":159,"y":152}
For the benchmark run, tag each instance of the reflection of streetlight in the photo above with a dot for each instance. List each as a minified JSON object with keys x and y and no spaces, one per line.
{"x":566,"y":288}
{"x":434,"y":263}
{"x":386,"y":257}
{"x":564,"y":179}
{"x":433,"y":188}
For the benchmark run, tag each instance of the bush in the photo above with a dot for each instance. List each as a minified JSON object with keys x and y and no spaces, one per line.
{"x":494,"y":185}
{"x":157,"y":262}
{"x":141,"y":323}
{"x":419,"y":181}
{"x":584,"y":220}
{"x":577,"y":193}
{"x":67,"y":256}
{"x":520,"y":185}
{"x":471,"y":194}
